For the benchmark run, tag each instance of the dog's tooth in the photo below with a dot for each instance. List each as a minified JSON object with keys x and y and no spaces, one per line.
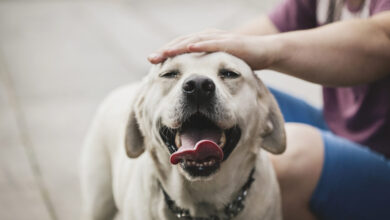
{"x":222,"y":140}
{"x":177,"y":139}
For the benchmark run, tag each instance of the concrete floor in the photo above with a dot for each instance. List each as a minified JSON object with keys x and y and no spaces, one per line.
{"x":58,"y":59}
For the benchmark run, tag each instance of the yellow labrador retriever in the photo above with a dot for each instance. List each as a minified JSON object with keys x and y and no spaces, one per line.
{"x":185,"y":143}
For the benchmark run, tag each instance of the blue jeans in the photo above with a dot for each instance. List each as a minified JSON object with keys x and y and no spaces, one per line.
{"x":355,"y":181}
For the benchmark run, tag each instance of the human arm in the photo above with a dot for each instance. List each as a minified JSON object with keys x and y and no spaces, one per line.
{"x":259,"y":26}
{"x":339,"y":54}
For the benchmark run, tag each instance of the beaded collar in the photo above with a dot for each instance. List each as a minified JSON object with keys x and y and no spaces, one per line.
{"x":231,"y":210}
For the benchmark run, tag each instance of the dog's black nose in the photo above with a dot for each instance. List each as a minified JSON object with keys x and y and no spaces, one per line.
{"x":199,"y":88}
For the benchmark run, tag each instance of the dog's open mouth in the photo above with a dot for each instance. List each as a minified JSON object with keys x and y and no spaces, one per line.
{"x":199,"y":145}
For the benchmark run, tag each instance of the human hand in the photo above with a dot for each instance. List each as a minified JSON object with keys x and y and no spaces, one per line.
{"x":258,"y":51}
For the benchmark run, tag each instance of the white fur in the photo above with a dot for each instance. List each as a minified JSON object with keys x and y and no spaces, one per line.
{"x":114,"y":184}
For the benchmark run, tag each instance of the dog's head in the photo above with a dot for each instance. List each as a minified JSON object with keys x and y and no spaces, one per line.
{"x":197,"y":111}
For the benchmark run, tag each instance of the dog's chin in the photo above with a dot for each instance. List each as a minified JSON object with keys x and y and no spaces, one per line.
{"x":193,"y":174}
{"x":198,"y":164}
{"x":198,"y":171}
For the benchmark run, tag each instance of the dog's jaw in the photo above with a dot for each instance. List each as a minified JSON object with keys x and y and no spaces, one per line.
{"x":205,"y":164}
{"x":195,"y":193}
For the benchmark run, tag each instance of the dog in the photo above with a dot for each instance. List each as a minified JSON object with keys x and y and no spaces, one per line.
{"x":187,"y":142}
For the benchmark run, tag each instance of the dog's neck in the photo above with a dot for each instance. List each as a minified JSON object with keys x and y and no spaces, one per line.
{"x":205,"y":197}
{"x":231,"y":209}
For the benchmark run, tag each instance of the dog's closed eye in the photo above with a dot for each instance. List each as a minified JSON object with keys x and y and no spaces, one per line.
{"x":170,"y":74}
{"x":228,"y":74}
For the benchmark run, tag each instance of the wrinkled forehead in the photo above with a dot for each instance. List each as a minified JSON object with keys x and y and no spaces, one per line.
{"x":203,"y":63}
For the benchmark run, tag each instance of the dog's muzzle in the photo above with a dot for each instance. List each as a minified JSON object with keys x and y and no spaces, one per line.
{"x":199,"y":145}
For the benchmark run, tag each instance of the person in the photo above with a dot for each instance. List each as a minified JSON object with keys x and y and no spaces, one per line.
{"x":336,"y":165}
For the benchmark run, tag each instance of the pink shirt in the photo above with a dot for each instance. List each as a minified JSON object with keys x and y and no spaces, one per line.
{"x":359,"y":113}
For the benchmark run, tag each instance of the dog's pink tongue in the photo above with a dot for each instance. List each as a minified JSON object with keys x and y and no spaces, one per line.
{"x":198,"y":146}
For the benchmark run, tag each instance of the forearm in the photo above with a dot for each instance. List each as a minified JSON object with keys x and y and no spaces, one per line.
{"x":261,"y":25}
{"x":339,"y":54}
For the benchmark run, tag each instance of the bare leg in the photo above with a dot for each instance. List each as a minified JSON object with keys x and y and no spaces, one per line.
{"x":298,"y":169}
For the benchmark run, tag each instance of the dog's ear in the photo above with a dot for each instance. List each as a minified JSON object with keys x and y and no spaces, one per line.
{"x":274,"y":135}
{"x":274,"y":140}
{"x":134,"y":137}
{"x":134,"y":140}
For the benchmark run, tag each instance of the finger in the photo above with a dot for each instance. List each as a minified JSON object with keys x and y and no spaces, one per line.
{"x":180,"y":44}
{"x":160,"y":55}
{"x":192,"y":38}
{"x":210,"y":46}
{"x":157,"y":56}
{"x":181,"y":47}
{"x":177,"y":40}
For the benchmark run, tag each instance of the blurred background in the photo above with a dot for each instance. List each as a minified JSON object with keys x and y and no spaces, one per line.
{"x":58,"y":59}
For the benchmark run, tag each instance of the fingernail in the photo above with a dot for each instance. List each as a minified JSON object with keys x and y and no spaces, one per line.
{"x":153,"y":56}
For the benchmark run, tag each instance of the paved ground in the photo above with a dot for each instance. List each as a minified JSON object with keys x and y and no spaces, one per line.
{"x":58,"y":59}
